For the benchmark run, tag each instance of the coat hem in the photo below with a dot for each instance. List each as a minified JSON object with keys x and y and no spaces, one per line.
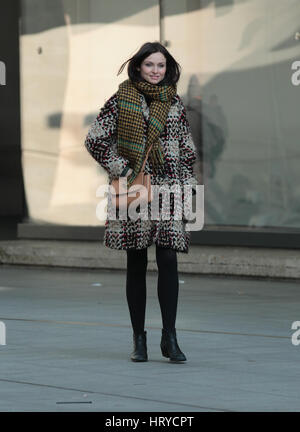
{"x":156,"y":242}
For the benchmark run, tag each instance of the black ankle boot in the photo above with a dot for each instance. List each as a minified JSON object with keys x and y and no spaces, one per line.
{"x":169,"y":346}
{"x":139,"y":353}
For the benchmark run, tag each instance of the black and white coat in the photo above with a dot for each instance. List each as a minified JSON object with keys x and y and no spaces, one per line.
{"x":179,"y":158}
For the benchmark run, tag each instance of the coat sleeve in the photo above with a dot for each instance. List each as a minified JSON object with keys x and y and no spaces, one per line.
{"x":187,"y":150}
{"x":100,"y":137}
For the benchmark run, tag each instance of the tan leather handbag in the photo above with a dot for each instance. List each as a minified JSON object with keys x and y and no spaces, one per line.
{"x":121,"y":197}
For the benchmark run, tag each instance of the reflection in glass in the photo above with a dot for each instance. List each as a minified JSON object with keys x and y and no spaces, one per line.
{"x":242,"y":106}
{"x":70,"y":52}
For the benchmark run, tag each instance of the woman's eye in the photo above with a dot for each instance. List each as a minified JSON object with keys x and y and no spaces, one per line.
{"x":149,"y":64}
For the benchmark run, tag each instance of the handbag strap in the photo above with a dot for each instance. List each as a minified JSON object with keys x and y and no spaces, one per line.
{"x":147,"y":154}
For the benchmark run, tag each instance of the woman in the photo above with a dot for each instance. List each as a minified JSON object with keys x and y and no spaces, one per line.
{"x":147,"y":110}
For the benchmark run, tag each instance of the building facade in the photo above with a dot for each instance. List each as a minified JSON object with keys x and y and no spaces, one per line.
{"x":240,"y":83}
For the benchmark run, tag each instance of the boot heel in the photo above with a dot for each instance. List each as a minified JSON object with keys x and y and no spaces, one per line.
{"x":164,"y":352}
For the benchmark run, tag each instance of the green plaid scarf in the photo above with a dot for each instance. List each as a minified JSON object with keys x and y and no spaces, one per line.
{"x":131,"y":124}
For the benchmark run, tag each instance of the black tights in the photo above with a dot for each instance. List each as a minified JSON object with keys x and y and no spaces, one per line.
{"x":167,"y":286}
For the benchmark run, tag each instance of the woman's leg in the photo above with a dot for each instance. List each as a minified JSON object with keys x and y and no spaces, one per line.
{"x":137,"y":261}
{"x":167,"y":286}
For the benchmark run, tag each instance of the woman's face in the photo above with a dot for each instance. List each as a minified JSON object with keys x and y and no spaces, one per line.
{"x":153,"y":68}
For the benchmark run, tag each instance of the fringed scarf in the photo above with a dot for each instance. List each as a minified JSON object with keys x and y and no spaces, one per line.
{"x":131,"y":124}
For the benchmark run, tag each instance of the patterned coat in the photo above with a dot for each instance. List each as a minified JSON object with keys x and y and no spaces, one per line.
{"x":179,"y":158}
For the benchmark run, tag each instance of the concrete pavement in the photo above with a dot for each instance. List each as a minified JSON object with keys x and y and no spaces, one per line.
{"x":68,"y":342}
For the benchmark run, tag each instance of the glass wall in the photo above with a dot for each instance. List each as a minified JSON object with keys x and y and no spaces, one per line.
{"x":70,"y":53}
{"x":237,"y":58}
